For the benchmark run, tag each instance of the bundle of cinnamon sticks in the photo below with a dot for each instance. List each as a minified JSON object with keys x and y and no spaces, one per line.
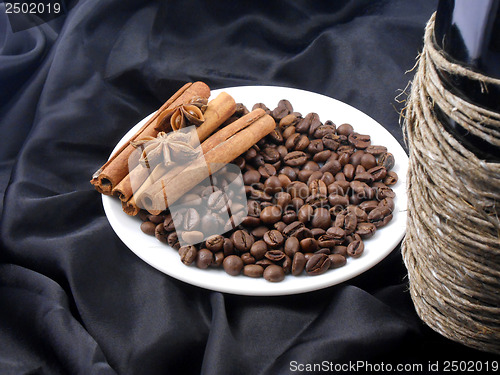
{"x":140,"y":185}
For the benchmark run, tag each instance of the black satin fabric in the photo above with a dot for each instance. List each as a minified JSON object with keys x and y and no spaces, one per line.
{"x":73,"y":298}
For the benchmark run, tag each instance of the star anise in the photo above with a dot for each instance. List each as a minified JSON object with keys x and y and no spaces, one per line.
{"x":166,"y":148}
{"x":183,"y":115}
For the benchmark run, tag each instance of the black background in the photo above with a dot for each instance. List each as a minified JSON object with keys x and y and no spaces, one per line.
{"x":73,"y":298}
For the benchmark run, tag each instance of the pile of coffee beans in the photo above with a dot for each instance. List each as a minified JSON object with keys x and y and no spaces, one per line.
{"x":315,"y":191}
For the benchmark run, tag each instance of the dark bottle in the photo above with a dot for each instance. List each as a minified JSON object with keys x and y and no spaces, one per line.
{"x":469,"y":32}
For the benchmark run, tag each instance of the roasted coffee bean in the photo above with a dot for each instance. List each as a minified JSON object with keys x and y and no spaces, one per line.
{"x":316,"y":232}
{"x":360,"y":141}
{"x":258,"y":249}
{"x":355,"y":249}
{"x":323,"y":130}
{"x":315,"y":146}
{"x":191,"y":219}
{"x":288,"y":120}
{"x":350,"y":223}
{"x":339,"y":188}
{"x":215,"y":243}
{"x":253,"y":270}
{"x":273,"y":238}
{"x":283,"y":109}
{"x":318,"y":187}
{"x":250,"y":221}
{"x":172,"y":239}
{"x":391,"y":178}
{"x":368,"y":206}
{"x":298,"y":263}
{"x":217,"y":259}
{"x":321,"y":218}
{"x":361,"y":215}
{"x":161,"y":233}
{"x":274,"y":273}
{"x":305,"y":213}
{"x":355,"y":158}
{"x":337,"y":260}
{"x":266,"y":171}
{"x":322,"y":156}
{"x":188,"y":254}
{"x":247,"y":258}
{"x":365,"y":230}
{"x":304,"y":125}
{"x":328,"y":179}
{"x":270,"y":155}
{"x":295,"y":158}
{"x":302,"y":143}
{"x":309,"y":245}
{"x":377,"y":215}
{"x":228,"y":247}
{"x":148,"y":227}
{"x":384,"y":192}
{"x":289,"y":172}
{"x":259,"y":231}
{"x":283,"y":199}
{"x":364,"y":177}
{"x":339,"y":249}
{"x":264,"y":262}
{"x":324,"y":250}
{"x":204,"y":258}
{"x":317,"y":264}
{"x":292,"y":141}
{"x":336,"y":233}
{"x":192,"y":237}
{"x":378,"y":173}
{"x":156,"y":219}
{"x":345,"y":129}
{"x":271,"y":214}
{"x":297,"y":203}
{"x":233,"y":265}
{"x":298,"y":189}
{"x":217,"y":201}
{"x":327,"y":240}
{"x":292,"y":229}
{"x":332,"y":166}
{"x":338,"y":200}
{"x":275,"y":136}
{"x":292,"y":245}
{"x":275,"y":255}
{"x":253,"y":207}
{"x":349,"y":172}
{"x":285,"y":181}
{"x":387,"y":202}
{"x":242,"y":240}
{"x":272,"y":185}
{"x":386,"y":160}
{"x":368,"y":161}
{"x":289,"y":216}
{"x":317,"y":200}
{"x":376,"y":150}
{"x":304,"y":175}
{"x":288,"y":132}
{"x":282,"y":150}
{"x":331,"y":141}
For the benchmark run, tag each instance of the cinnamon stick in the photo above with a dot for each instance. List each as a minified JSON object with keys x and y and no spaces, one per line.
{"x":216,"y":139}
{"x":218,"y":110}
{"x":116,"y":168}
{"x":211,"y":162}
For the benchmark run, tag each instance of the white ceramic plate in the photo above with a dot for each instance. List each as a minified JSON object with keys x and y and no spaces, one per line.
{"x":166,"y":259}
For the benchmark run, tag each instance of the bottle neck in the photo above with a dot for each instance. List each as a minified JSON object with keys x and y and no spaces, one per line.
{"x":469,"y":32}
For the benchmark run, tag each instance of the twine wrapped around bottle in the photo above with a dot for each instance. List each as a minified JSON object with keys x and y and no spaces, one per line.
{"x":452,"y":243}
